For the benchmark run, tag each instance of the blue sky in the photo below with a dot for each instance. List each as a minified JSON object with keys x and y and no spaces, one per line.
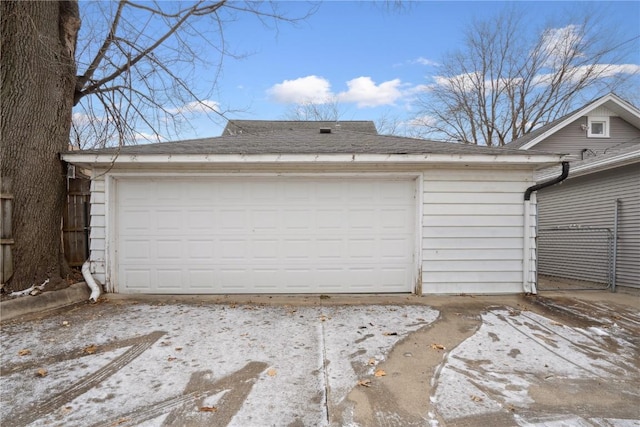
{"x":370,"y":57}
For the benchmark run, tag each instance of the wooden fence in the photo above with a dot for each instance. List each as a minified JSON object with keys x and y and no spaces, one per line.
{"x":75,"y":225}
{"x":6,"y":237}
{"x":75,"y":221}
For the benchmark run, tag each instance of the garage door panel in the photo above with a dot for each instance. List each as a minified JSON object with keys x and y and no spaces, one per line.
{"x":134,"y":220}
{"x":169,"y":250}
{"x":199,"y":219}
{"x":169,"y":279}
{"x":138,"y":279}
{"x":138,"y":250}
{"x":169,"y":219}
{"x":273,"y":235}
{"x":265,"y":219}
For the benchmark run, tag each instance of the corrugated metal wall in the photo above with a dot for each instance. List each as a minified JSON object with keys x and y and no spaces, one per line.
{"x":589,"y":201}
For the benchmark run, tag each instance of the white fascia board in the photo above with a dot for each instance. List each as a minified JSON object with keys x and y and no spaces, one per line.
{"x":596,"y":165}
{"x":167,"y":159}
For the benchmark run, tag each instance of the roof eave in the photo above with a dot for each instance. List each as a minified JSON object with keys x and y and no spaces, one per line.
{"x":102,"y":160}
{"x":598,"y":164}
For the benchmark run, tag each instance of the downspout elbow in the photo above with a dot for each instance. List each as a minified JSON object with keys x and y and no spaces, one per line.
{"x":554,"y":181}
{"x":91,"y":282}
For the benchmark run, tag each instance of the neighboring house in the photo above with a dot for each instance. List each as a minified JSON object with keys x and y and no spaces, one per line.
{"x":236,"y":127}
{"x":604,"y":139}
{"x":310,"y":207}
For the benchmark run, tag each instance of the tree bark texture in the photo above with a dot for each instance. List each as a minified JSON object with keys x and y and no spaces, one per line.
{"x":38,"y":80}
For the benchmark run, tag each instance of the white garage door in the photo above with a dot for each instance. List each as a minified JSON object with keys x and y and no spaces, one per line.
{"x":265,"y":235}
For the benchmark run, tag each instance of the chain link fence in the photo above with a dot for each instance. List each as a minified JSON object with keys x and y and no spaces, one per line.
{"x":579,"y":256}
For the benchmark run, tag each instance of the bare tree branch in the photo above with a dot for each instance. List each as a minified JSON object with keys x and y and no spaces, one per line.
{"x":505,"y":82}
{"x":143,"y":63}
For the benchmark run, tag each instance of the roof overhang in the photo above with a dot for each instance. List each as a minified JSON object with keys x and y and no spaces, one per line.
{"x":597,"y":164}
{"x":129,"y":160}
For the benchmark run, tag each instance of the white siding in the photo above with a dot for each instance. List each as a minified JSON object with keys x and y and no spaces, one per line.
{"x":472,"y":230}
{"x":97,"y":238}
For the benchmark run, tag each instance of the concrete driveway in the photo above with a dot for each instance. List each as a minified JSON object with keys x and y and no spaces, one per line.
{"x":311,"y":361}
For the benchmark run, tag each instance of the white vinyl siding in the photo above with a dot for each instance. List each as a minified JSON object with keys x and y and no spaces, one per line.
{"x":472,"y":230}
{"x":97,"y":246}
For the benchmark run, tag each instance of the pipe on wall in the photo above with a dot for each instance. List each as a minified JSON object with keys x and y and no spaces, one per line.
{"x":91,"y":282}
{"x":528,"y":285}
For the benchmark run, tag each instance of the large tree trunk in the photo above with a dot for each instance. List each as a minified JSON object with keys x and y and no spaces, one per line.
{"x":38,"y":79}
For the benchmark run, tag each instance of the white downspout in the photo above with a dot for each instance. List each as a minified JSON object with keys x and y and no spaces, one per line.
{"x":91,"y":282}
{"x":527,"y":286}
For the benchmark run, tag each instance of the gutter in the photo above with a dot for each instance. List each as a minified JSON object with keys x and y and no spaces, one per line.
{"x":529,"y":286}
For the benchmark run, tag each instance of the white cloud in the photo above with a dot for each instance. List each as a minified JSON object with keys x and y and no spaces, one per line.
{"x":83,"y":119}
{"x":560,"y":43}
{"x":425,"y":120}
{"x":195,"y":107}
{"x":364,"y":92}
{"x":601,"y":70}
{"x":309,"y":89}
{"x":465,"y":82}
{"x":425,"y":61}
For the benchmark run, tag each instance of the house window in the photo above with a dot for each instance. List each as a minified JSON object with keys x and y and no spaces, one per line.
{"x":598,"y":127}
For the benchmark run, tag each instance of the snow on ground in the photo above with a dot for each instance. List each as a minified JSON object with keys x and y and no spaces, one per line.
{"x":123,"y":359}
{"x":494,"y":370}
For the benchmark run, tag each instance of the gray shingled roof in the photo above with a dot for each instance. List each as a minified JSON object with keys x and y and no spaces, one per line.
{"x":235,"y":127}
{"x":307,"y":141}
{"x":519,"y":142}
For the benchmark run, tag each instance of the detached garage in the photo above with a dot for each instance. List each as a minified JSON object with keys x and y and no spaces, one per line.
{"x":310,"y":207}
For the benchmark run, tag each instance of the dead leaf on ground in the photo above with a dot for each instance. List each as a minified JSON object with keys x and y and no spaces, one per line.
{"x":372,"y":361}
{"x":171,"y":358}
{"x":324,"y":297}
{"x":476,"y":398}
{"x":208,"y":409}
{"x":388,"y":334}
{"x":364,"y":383}
{"x":272,"y":372}
{"x":42,"y":372}
{"x":90,"y":349}
{"x":437,"y":346}
{"x":24,"y":352}
{"x":178,"y":348}
{"x":65,"y":323}
{"x":379,"y":373}
{"x":557,"y":324}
